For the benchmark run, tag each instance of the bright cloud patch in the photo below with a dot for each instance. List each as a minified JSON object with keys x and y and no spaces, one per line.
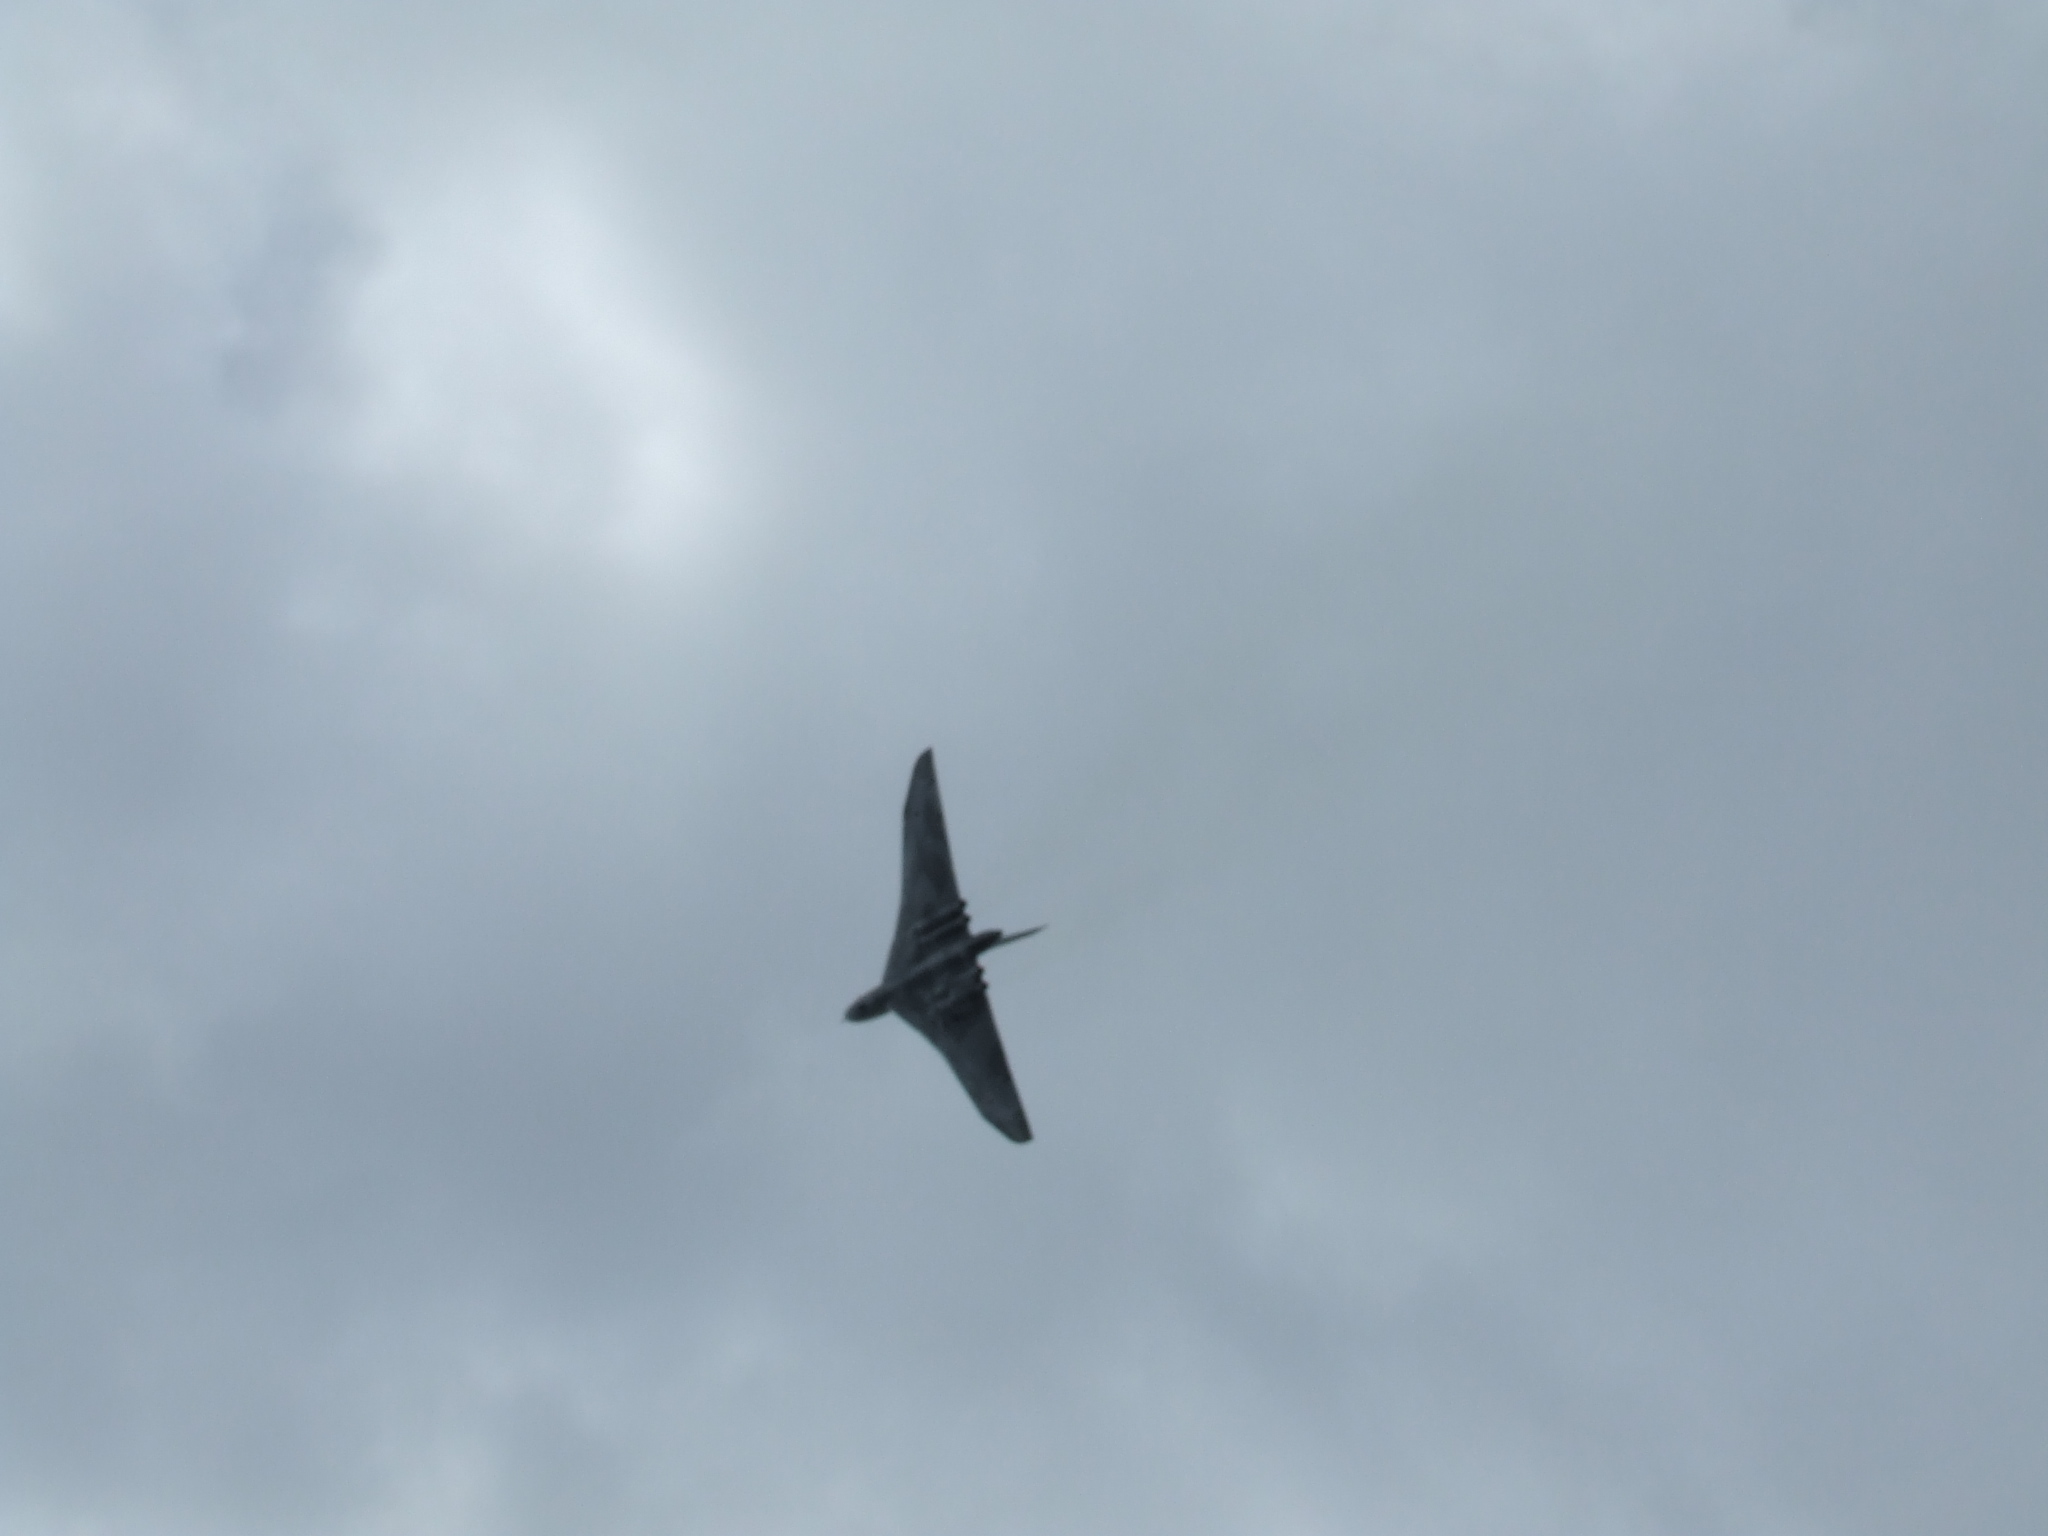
{"x":509,"y":348}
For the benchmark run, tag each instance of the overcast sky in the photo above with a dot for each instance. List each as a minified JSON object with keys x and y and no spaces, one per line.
{"x":1482,"y":563}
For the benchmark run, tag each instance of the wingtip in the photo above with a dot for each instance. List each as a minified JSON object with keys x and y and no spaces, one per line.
{"x":1014,"y":1123}
{"x":1008,"y":1118}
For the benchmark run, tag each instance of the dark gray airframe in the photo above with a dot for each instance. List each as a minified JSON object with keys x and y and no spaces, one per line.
{"x":934,"y":978}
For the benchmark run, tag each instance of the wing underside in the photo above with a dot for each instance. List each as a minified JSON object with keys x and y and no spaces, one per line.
{"x":952,"y":1012}
{"x":931,"y":915}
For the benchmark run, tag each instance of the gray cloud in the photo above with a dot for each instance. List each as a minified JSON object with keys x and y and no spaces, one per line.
{"x":1478,"y":564}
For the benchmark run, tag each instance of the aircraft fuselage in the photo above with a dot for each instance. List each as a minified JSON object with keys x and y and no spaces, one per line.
{"x":877,"y":1001}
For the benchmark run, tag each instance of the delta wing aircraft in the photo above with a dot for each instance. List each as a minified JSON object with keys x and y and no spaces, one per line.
{"x":933,"y":979}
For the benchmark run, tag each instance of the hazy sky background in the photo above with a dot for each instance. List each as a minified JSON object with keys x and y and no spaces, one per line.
{"x":1483,"y":564}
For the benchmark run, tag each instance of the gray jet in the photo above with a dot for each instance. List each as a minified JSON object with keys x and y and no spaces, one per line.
{"x":934,"y":978}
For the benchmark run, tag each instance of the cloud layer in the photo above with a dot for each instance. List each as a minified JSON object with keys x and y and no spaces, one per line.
{"x":1479,"y":564}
